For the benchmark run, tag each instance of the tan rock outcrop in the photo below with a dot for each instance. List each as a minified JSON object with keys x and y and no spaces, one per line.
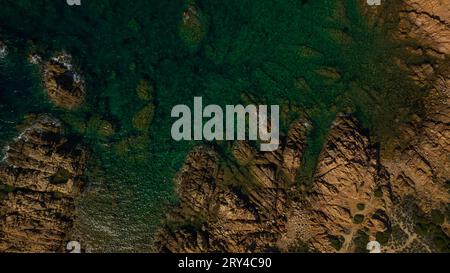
{"x":422,"y":168}
{"x":64,"y":85}
{"x":3,"y":50}
{"x":428,"y":22}
{"x":39,"y":178}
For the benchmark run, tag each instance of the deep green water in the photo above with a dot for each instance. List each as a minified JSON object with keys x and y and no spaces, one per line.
{"x":314,"y":58}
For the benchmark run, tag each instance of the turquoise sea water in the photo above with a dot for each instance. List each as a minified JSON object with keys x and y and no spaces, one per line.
{"x":313,"y":58}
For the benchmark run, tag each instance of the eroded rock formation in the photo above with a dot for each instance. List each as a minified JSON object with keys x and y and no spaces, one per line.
{"x":64,"y":85}
{"x":3,"y":50}
{"x":419,"y":172}
{"x":40,"y":175}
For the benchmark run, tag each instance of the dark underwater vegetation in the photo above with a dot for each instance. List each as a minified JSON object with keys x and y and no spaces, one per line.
{"x":315,"y":59}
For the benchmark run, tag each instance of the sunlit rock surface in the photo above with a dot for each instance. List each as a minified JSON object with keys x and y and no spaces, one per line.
{"x":64,"y":85}
{"x":40,"y":176}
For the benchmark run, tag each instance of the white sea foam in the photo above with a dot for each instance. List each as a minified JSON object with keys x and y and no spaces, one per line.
{"x":3,"y":50}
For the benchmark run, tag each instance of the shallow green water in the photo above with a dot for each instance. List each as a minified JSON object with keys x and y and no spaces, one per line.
{"x":314,"y":58}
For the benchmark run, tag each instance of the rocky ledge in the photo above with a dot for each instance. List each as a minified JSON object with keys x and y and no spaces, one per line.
{"x":40,"y":176}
